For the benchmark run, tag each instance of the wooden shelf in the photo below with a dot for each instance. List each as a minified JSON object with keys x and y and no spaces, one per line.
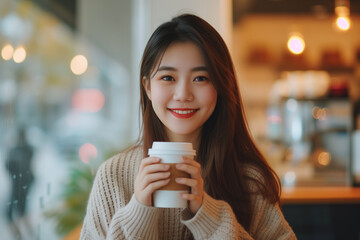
{"x":304,"y":195}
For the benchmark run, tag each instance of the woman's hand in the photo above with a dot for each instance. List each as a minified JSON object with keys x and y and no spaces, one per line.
{"x":196,"y":183}
{"x":152,"y":175}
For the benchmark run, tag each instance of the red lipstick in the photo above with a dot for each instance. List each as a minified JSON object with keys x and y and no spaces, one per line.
{"x":183,"y":112}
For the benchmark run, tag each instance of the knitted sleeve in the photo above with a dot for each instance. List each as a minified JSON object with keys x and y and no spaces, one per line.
{"x":269,"y":222}
{"x":216,"y":220}
{"x":113,"y":212}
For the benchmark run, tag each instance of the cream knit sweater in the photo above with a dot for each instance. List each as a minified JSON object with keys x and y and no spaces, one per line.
{"x":114,"y":213}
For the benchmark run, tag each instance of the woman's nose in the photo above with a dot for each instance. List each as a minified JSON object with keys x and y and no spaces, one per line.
{"x":183,"y":92}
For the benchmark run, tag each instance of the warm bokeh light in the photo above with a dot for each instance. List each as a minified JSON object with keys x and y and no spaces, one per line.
{"x":343,"y":23}
{"x":7,"y":52}
{"x":79,"y":64}
{"x":296,"y":44}
{"x":315,"y":112}
{"x":19,"y":54}
{"x":87,"y":152}
{"x":319,"y":113}
{"x":324,"y":158}
{"x":88,"y":100}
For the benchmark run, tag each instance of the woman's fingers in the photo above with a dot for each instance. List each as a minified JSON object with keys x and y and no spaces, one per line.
{"x":191,"y":167}
{"x":156,"y":167}
{"x":152,"y":170}
{"x":150,"y":178}
{"x":196,"y":185}
{"x":152,"y":187}
{"x":190,"y":161}
{"x":187,"y":181}
{"x":190,"y":197}
{"x":148,"y":161}
{"x":152,"y":175}
{"x":195,"y":182}
{"x":193,"y":171}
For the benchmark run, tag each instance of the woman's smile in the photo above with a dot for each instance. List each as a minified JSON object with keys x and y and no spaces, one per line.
{"x":183,"y":112}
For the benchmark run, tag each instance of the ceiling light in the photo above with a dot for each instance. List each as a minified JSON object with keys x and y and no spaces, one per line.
{"x":296,"y":44}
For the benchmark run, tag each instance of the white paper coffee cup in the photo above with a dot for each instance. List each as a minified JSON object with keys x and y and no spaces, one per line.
{"x":171,"y":153}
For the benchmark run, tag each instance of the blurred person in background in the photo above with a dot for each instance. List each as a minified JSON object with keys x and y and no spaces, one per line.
{"x":18,"y":164}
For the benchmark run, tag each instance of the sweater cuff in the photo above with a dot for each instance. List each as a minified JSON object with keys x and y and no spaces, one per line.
{"x":207,"y":219}
{"x":136,"y":219}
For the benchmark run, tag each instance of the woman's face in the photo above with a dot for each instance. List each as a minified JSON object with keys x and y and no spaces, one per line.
{"x":181,"y":92}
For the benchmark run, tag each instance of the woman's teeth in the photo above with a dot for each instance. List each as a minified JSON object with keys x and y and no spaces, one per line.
{"x":183,"y":112}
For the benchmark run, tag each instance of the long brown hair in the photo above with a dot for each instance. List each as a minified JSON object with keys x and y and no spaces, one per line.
{"x":226,"y":150}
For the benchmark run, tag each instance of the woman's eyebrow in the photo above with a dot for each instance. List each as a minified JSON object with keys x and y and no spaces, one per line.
{"x":166,"y":68}
{"x":195,"y":69}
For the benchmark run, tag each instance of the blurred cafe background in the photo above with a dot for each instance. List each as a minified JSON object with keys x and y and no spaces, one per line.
{"x":69,"y":100}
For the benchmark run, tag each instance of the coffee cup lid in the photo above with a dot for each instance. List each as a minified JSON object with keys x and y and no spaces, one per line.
{"x":182,"y":148}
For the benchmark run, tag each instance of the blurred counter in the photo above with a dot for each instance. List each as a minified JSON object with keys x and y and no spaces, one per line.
{"x":322,"y":212}
{"x":315,"y":195}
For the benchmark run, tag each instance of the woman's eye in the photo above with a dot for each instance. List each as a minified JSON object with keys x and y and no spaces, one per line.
{"x":200,"y":79}
{"x":167,"y":78}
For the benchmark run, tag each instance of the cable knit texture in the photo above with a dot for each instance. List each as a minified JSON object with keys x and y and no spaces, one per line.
{"x":114,"y":213}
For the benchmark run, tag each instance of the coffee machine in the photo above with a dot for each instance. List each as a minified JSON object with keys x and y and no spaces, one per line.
{"x":317,"y":135}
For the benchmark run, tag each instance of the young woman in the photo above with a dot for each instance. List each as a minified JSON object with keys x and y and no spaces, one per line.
{"x":189,"y":93}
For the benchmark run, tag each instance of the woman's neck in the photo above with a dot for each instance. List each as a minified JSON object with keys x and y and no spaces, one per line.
{"x":193,"y":138}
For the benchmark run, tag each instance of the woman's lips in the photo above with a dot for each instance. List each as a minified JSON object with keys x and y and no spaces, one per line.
{"x":183,"y":112}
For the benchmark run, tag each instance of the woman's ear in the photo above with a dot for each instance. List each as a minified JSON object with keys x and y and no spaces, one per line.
{"x":146,"y":85}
